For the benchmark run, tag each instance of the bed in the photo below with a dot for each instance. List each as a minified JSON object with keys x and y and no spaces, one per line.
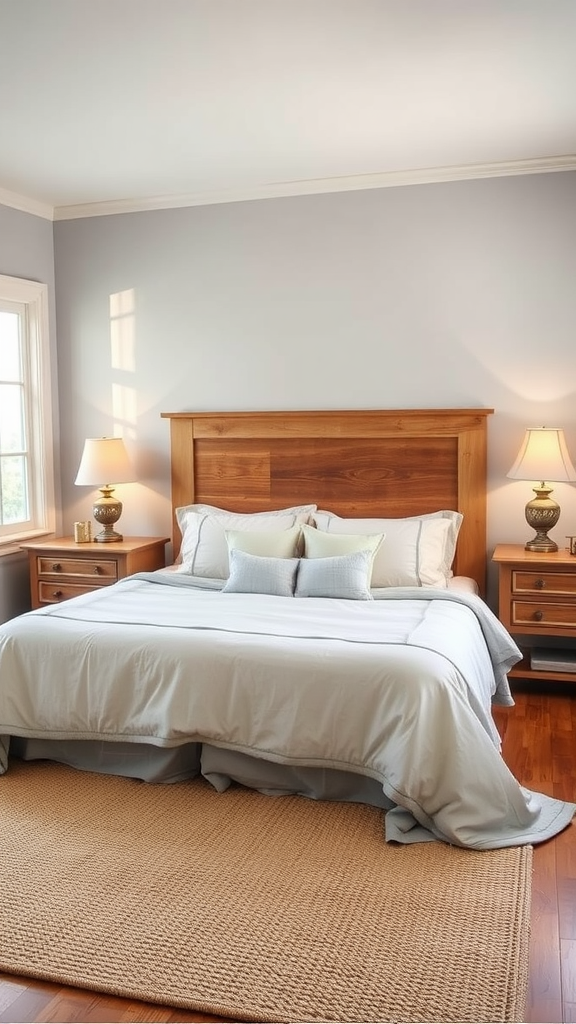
{"x":322,"y":630}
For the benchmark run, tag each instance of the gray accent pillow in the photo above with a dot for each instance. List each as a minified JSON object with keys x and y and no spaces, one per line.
{"x":338,"y":576}
{"x":256,"y":574}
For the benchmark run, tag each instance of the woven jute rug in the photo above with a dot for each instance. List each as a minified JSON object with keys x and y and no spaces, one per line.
{"x":253,"y":907}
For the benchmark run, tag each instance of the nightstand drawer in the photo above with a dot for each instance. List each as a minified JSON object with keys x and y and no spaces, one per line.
{"x":86,"y":567}
{"x":545,"y":614}
{"x":553,"y":583}
{"x":52,"y":593}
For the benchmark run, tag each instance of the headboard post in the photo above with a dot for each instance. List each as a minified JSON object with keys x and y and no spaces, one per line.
{"x":182,"y":468}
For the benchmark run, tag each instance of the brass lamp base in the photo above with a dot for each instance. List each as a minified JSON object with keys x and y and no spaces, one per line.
{"x":107,"y":511}
{"x":542,"y":514}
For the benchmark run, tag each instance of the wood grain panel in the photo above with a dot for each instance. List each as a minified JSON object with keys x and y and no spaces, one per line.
{"x":346,"y":476}
{"x":360,"y":478}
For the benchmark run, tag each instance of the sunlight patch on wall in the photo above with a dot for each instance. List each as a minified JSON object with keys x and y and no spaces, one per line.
{"x":123,"y":361}
{"x":124,"y":410}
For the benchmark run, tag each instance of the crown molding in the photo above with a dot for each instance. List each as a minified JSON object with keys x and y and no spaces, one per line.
{"x":25,"y":204}
{"x":278,"y":190}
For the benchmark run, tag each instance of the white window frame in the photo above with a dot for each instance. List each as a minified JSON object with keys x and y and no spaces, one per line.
{"x":38,"y":410}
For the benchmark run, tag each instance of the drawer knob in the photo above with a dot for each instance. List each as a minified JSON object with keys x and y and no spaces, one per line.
{"x":97,"y":570}
{"x":56,"y":567}
{"x":57,"y":594}
{"x":540,"y":584}
{"x":538,"y":616}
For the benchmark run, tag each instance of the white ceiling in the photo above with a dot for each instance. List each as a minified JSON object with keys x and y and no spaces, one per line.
{"x":137,"y":104}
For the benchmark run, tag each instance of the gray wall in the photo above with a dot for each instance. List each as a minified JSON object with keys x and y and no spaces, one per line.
{"x":444,"y":295}
{"x":27,"y":251}
{"x":456,"y":294}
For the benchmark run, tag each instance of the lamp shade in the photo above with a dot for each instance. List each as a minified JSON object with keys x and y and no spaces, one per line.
{"x":543,"y":456}
{"x":104,"y":461}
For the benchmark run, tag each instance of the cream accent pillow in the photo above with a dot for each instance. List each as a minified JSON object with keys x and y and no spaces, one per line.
{"x":418,"y":550}
{"x":325,"y":545}
{"x":204,"y":550}
{"x":268,"y":543}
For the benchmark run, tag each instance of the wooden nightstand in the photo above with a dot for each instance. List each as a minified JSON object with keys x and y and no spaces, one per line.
{"x":537,"y":600}
{"x":61,"y":568}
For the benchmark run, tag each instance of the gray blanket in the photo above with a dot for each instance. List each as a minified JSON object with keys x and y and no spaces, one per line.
{"x":398,"y":689}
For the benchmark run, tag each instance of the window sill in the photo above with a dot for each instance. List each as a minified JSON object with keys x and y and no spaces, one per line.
{"x":13,"y":547}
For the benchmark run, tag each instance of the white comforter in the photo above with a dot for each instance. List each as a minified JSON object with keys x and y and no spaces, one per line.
{"x":398,"y":689}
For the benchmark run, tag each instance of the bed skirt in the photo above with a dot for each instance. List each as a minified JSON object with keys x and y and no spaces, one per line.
{"x":219,"y":766}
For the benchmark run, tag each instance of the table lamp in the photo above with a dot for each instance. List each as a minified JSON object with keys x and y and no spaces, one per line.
{"x":543,"y":456}
{"x":105,"y":458}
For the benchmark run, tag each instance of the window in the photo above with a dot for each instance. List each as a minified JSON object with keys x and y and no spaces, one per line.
{"x":26,"y":463}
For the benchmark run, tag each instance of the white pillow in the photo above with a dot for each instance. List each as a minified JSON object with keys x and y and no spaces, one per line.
{"x":346,"y":576}
{"x":268,"y":543}
{"x":418,"y":551}
{"x":318,"y":544}
{"x":204,"y":551}
{"x":254,"y":574}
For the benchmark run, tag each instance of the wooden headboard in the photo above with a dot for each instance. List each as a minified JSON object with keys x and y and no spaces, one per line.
{"x":370,"y":463}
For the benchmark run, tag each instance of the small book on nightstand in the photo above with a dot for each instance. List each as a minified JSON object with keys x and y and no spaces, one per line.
{"x":553,"y":660}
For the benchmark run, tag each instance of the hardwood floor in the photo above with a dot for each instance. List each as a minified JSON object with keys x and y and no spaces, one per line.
{"x":539,"y":745}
